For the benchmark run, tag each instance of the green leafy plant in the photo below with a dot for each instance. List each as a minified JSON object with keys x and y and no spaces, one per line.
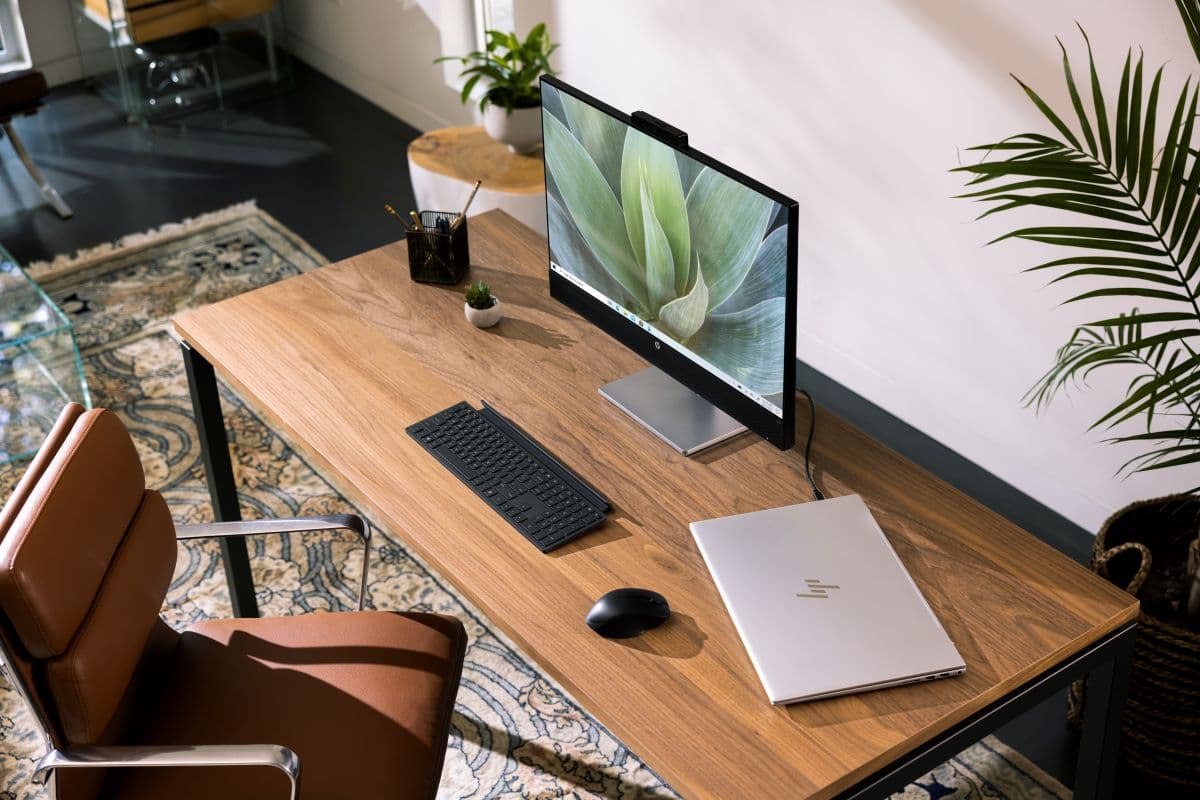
{"x":680,"y":245}
{"x":511,"y":67}
{"x":1129,"y":193}
{"x":479,"y":295}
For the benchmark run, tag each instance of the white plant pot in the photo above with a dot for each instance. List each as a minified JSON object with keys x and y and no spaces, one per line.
{"x":484,"y":317}
{"x":521,"y":130}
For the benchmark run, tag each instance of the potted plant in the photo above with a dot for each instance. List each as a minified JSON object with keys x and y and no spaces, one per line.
{"x":1125,"y":192}
{"x":482,"y":307}
{"x":511,"y":67}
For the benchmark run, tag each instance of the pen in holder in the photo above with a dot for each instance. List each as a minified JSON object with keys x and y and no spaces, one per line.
{"x":437,"y":251}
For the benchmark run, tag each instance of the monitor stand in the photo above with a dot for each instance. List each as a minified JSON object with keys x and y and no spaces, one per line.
{"x":671,"y":411}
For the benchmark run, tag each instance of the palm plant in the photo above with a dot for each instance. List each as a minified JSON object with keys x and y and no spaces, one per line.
{"x":1130,"y":195}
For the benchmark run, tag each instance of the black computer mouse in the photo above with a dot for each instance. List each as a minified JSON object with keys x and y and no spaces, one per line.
{"x":628,"y":612}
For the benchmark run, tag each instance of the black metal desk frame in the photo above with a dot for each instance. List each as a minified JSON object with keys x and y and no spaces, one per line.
{"x":218,"y":469}
{"x":1105,"y":663}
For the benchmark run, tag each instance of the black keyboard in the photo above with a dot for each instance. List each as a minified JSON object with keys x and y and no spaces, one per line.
{"x":533,"y":490}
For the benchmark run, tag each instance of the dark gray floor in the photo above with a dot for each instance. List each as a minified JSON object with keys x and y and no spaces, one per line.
{"x":320,"y":159}
{"x":323,"y":161}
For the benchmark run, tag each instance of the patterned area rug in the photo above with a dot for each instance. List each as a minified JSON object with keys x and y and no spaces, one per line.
{"x":516,"y":733}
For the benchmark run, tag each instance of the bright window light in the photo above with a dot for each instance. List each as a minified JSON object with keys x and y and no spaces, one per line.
{"x":14,"y":50}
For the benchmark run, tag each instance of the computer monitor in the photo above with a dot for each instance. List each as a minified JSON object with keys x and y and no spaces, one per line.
{"x":682,"y":259}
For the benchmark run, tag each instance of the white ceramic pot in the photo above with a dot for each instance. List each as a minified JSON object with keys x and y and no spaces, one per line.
{"x":484,"y":317}
{"x":521,"y":130}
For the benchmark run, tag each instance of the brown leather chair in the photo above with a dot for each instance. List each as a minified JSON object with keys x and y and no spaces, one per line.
{"x":229,"y":708}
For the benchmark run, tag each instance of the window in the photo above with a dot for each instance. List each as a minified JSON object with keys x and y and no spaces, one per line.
{"x":492,"y":15}
{"x":463,"y":25}
{"x":14,"y":51}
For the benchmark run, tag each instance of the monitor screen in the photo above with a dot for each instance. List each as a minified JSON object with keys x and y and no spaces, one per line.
{"x":686,"y":249}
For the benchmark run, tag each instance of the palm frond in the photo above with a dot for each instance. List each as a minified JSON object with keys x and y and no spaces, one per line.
{"x":1133,"y":191}
{"x":1189,"y":11}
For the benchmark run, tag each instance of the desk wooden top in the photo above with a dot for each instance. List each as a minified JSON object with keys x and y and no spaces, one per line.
{"x":343,"y":358}
{"x":469,"y":154}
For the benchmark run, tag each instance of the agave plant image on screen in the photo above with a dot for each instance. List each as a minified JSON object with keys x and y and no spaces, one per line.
{"x":682,"y":246}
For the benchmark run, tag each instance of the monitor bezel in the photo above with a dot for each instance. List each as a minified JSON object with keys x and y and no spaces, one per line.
{"x":779,"y":431}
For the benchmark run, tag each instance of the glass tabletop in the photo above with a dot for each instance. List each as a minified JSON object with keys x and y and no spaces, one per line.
{"x":27,"y":311}
{"x":40,"y":366}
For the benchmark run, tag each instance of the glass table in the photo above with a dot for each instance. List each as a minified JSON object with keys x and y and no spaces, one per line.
{"x":161,"y":59}
{"x":40,"y":366}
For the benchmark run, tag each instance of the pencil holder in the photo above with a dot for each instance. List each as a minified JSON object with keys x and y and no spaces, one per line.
{"x":438,"y":256}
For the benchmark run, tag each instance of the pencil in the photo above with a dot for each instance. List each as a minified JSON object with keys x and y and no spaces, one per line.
{"x":470,"y":199}
{"x":392,"y":211}
{"x":462,"y":214}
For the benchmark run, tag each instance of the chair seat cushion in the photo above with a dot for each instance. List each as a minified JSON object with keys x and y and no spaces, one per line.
{"x":363,"y":698}
{"x":21,"y":91}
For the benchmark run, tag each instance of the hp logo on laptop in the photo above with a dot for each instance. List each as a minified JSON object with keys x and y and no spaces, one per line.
{"x":817,"y":589}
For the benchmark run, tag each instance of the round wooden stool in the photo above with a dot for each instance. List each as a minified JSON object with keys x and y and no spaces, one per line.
{"x":444,"y":164}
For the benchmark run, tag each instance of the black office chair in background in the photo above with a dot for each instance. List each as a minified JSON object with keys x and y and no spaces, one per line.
{"x":21,"y":94}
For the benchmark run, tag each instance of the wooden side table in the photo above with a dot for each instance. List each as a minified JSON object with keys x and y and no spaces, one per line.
{"x":445,"y":163}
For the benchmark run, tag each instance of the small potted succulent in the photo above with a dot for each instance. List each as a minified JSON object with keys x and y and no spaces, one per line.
{"x":512,"y":67}
{"x":482,"y":307}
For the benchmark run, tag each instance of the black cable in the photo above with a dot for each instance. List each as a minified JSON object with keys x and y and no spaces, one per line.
{"x":812,"y":428}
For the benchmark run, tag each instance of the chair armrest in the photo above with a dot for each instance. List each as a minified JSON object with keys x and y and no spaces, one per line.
{"x":205,"y":755}
{"x":350,"y":522}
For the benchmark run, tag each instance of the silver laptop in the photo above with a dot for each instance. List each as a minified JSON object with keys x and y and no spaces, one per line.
{"x":822,"y":602}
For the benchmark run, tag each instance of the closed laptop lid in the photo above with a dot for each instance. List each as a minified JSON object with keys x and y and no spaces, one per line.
{"x":822,"y":602}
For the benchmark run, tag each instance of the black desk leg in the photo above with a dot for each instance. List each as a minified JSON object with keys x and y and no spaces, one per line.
{"x":214,"y":447}
{"x":1107,"y":683}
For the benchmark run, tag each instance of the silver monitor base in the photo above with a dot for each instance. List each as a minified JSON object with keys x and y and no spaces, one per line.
{"x":671,"y":411}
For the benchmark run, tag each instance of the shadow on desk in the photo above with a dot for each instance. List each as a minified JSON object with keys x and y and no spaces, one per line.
{"x":525,"y":331}
{"x":678,"y":637}
{"x":521,"y":289}
{"x":517,"y":293}
{"x":610,"y":531}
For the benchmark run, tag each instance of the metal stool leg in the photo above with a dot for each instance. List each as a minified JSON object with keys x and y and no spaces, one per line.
{"x":49,"y":192}
{"x":269,"y":40}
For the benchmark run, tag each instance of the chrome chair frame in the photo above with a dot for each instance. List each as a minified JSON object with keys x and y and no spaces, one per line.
{"x":350,"y":522}
{"x":208,"y":755}
{"x":49,"y":193}
{"x":215,"y":755}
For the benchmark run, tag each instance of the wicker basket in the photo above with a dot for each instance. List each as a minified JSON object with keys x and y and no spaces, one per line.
{"x":1143,"y":548}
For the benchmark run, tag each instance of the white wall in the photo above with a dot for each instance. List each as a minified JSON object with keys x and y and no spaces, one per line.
{"x":380,"y":49}
{"x":857,"y":110}
{"x":51,"y":40}
{"x":384,"y":51}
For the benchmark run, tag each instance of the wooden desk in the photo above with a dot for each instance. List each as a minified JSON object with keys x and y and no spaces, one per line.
{"x":343,"y":358}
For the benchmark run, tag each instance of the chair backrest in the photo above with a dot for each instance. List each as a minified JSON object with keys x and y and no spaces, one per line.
{"x":86,"y":555}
